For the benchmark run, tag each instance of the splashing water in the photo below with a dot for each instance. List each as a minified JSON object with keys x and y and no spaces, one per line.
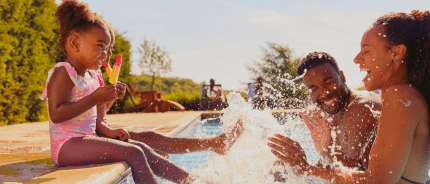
{"x":250,"y":159}
{"x":375,"y":113}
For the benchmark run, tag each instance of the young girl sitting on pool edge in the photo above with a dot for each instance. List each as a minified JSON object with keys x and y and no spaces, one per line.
{"x":73,"y":93}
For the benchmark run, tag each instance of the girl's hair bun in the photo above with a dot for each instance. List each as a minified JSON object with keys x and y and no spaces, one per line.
{"x":77,"y":16}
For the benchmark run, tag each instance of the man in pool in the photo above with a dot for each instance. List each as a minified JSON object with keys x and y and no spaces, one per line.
{"x":344,"y":119}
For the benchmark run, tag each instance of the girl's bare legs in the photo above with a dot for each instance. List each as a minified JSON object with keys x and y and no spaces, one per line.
{"x":166,"y":144}
{"x":162,"y":166}
{"x":95,"y":150}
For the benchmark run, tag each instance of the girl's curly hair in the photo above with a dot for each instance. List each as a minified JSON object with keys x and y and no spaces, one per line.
{"x":76,"y":16}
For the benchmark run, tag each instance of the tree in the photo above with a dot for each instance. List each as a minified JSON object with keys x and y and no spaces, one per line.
{"x":153,"y":59}
{"x":28,"y":49}
{"x":278,"y":68}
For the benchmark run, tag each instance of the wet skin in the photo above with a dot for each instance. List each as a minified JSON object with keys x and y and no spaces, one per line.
{"x":327,"y":88}
{"x":377,"y":59}
{"x":342,"y":111}
{"x":401,"y":146}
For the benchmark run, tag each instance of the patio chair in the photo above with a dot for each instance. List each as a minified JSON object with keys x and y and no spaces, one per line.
{"x":150,"y":101}
{"x":210,"y":100}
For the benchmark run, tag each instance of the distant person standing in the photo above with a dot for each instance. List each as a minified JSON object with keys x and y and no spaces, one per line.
{"x":261,"y":88}
{"x":213,"y":92}
{"x":262,"y":91}
{"x":212,"y":97}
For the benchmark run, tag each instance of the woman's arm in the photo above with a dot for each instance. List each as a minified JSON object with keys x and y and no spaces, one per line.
{"x":59,"y":90}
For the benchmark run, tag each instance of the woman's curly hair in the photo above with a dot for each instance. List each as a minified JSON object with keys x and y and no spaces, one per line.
{"x":413,"y":31}
{"x":76,"y":16}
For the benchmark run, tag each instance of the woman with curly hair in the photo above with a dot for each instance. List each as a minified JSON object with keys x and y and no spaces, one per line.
{"x":395,"y":54}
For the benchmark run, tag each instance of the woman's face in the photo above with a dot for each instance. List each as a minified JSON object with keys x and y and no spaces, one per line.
{"x":375,"y":58}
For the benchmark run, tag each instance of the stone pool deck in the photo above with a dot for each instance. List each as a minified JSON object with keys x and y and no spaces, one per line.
{"x":25,"y":148}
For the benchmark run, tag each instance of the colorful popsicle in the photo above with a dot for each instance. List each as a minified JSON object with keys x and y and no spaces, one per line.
{"x":113,"y":77}
{"x":107,"y":68}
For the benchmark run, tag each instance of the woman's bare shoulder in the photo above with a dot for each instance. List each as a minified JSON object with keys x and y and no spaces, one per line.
{"x":405,"y":100}
{"x":406,"y":94}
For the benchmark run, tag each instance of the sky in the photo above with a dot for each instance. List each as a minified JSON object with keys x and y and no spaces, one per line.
{"x":217,"y":38}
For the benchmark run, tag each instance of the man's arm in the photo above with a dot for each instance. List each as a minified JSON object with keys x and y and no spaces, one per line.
{"x":359,"y":120}
{"x":320,"y":131}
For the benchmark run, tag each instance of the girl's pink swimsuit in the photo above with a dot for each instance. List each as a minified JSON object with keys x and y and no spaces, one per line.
{"x":82,"y":125}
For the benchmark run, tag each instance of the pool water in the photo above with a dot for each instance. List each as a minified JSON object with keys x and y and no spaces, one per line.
{"x":197,"y":129}
{"x":249,"y":160}
{"x":197,"y":160}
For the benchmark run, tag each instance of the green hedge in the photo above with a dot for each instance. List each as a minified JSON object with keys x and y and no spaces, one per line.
{"x":189,"y":100}
{"x":28,"y":49}
{"x":183,"y":91}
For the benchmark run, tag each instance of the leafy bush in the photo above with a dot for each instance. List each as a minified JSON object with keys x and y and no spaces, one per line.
{"x":28,"y":49}
{"x":189,"y":100}
{"x":183,"y":91}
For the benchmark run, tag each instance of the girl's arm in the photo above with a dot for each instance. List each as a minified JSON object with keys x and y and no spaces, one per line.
{"x":108,"y":106}
{"x":390,"y":151}
{"x":120,"y":91}
{"x":59,"y":90}
{"x":103,"y":129}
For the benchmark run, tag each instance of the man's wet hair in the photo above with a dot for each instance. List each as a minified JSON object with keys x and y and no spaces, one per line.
{"x":315,"y":59}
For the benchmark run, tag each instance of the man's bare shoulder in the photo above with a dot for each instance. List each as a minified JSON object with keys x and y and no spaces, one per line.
{"x":363,"y":101}
{"x":365,"y":107}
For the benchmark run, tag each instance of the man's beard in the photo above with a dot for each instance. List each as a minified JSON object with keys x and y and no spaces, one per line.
{"x":342,"y":104}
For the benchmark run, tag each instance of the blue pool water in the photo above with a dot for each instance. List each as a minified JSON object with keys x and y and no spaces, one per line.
{"x":197,"y":160}
{"x":192,"y":161}
{"x":196,"y":129}
{"x":249,"y":160}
